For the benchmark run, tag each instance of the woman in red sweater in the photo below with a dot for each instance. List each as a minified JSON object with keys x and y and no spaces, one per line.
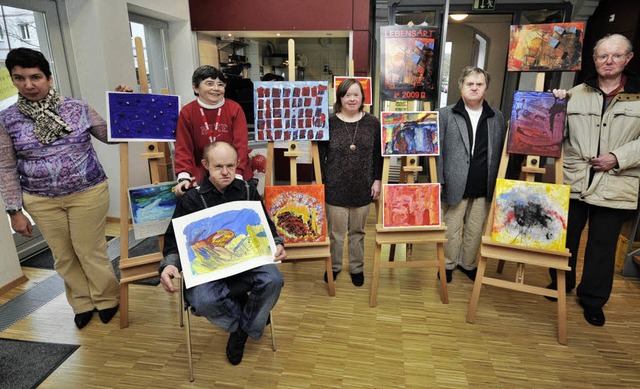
{"x":208,"y":119}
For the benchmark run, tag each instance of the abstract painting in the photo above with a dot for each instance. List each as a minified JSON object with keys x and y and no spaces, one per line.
{"x":411,"y":205}
{"x":364,"y":81}
{"x":409,"y":133}
{"x":222,"y":241}
{"x":291,"y":110}
{"x":409,"y":62}
{"x":531,"y":214}
{"x":152,"y":207}
{"x":545,"y":47}
{"x":298,"y":212}
{"x":142,"y":117}
{"x":537,"y":124}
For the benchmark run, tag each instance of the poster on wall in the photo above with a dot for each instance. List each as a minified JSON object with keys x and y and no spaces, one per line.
{"x":298,"y":212}
{"x":222,"y":241}
{"x":537,"y":124}
{"x":409,"y":63}
{"x":142,"y":117}
{"x":364,"y":81}
{"x":410,"y":133}
{"x":531,"y":214}
{"x":545,"y":47}
{"x":411,"y":205}
{"x":152,"y":207}
{"x":291,"y":110}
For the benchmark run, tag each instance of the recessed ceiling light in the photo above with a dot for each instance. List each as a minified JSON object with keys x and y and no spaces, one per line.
{"x":458,"y":17}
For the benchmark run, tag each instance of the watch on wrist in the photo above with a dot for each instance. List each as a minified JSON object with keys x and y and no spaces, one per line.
{"x":12,"y":212}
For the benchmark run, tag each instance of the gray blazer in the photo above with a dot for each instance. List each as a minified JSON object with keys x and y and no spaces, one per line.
{"x":455,"y":151}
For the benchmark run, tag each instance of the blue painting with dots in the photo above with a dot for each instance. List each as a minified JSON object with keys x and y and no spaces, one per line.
{"x":142,"y":117}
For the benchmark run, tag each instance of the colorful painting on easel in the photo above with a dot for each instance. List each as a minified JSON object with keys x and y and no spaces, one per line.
{"x":409,"y":62}
{"x":411,"y":205}
{"x":298,"y":212}
{"x":152,"y":207}
{"x":537,"y":124}
{"x":531,"y":214}
{"x":222,"y":241}
{"x":410,"y":133}
{"x":364,"y":81}
{"x":293,"y":110}
{"x":545,"y":47}
{"x":142,"y":117}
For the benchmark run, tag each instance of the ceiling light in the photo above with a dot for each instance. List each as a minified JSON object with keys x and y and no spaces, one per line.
{"x":458,"y":17}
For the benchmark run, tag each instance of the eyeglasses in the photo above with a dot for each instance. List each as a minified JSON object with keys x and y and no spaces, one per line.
{"x":614,"y":57}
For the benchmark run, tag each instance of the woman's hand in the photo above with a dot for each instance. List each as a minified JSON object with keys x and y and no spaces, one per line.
{"x":375,"y":189}
{"x":21,"y":224}
{"x":182,"y":187}
{"x":123,"y":88}
{"x":281,"y":255}
{"x":168,"y":274}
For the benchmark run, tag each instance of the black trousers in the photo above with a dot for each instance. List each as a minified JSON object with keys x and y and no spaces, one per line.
{"x":599,"y":256}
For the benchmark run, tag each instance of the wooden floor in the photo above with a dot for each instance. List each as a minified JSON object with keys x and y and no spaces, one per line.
{"x":410,"y":340}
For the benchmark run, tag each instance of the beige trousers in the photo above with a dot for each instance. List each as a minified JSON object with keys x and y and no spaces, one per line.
{"x":465,"y":222}
{"x":351,"y":222}
{"x":74,"y":227}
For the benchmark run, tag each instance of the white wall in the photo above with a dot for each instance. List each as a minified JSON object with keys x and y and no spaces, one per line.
{"x":98,"y":45}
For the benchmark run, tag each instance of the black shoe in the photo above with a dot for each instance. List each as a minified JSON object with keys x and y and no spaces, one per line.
{"x":335,"y":275}
{"x":235,"y":346}
{"x":553,"y":286}
{"x":107,"y":314}
{"x":449,"y":274}
{"x":82,"y":319}
{"x":357,"y":279}
{"x":469,"y":273}
{"x":593,"y":315}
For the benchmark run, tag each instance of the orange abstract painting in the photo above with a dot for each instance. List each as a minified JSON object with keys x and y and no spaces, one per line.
{"x":298,"y":212}
{"x":411,"y":205}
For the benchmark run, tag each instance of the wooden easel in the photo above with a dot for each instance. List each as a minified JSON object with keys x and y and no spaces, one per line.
{"x":144,"y":266}
{"x":408,"y":235}
{"x":302,"y":251}
{"x":521,"y":255}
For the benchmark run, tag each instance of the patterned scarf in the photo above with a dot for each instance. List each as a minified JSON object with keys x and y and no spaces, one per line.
{"x":47,"y":124}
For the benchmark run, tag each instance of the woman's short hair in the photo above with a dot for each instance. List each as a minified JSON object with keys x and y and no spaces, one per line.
{"x":204,"y":72}
{"x":342,"y":91}
{"x":469,"y":70}
{"x":27,"y":58}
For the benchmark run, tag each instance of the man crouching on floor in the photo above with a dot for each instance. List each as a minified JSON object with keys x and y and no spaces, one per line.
{"x":244,"y":316}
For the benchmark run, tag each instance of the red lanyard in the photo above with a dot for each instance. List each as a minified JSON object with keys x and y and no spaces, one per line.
{"x":215,"y":126}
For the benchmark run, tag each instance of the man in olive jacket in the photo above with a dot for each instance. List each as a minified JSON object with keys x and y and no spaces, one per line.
{"x":471,"y":138}
{"x":602,"y":165}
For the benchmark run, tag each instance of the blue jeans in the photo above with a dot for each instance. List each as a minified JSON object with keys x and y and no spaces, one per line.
{"x":214,"y":301}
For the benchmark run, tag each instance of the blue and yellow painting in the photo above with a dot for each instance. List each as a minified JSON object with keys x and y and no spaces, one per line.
{"x":152,"y":207}
{"x":142,"y":117}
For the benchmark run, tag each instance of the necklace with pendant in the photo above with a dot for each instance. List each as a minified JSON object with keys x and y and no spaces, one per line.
{"x":352,"y":146}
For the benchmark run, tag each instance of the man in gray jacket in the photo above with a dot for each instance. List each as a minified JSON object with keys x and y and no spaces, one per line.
{"x":471,"y":138}
{"x":602,"y":165}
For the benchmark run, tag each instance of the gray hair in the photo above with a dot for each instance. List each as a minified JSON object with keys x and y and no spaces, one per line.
{"x":469,"y":70}
{"x":619,"y":37}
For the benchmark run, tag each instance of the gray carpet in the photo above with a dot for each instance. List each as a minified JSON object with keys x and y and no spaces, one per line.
{"x":26,"y":364}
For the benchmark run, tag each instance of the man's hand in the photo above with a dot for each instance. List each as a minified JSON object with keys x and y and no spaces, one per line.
{"x":561,"y":94}
{"x":21,"y":224}
{"x":281,"y":255}
{"x":168,"y":274}
{"x":182,"y":187}
{"x":604,"y":162}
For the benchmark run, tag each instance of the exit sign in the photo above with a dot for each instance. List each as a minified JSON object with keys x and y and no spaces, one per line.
{"x":484,"y":5}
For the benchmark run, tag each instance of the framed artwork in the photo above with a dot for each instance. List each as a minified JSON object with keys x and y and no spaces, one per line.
{"x":408,"y":55}
{"x":411,"y":205}
{"x":531,"y":214}
{"x":298,"y":212}
{"x":545,"y":47}
{"x":364,"y":81}
{"x":410,"y":133}
{"x":152,"y":208}
{"x":222,"y":241}
{"x":142,"y":117}
{"x":537,"y":124}
{"x":294,"y":110}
